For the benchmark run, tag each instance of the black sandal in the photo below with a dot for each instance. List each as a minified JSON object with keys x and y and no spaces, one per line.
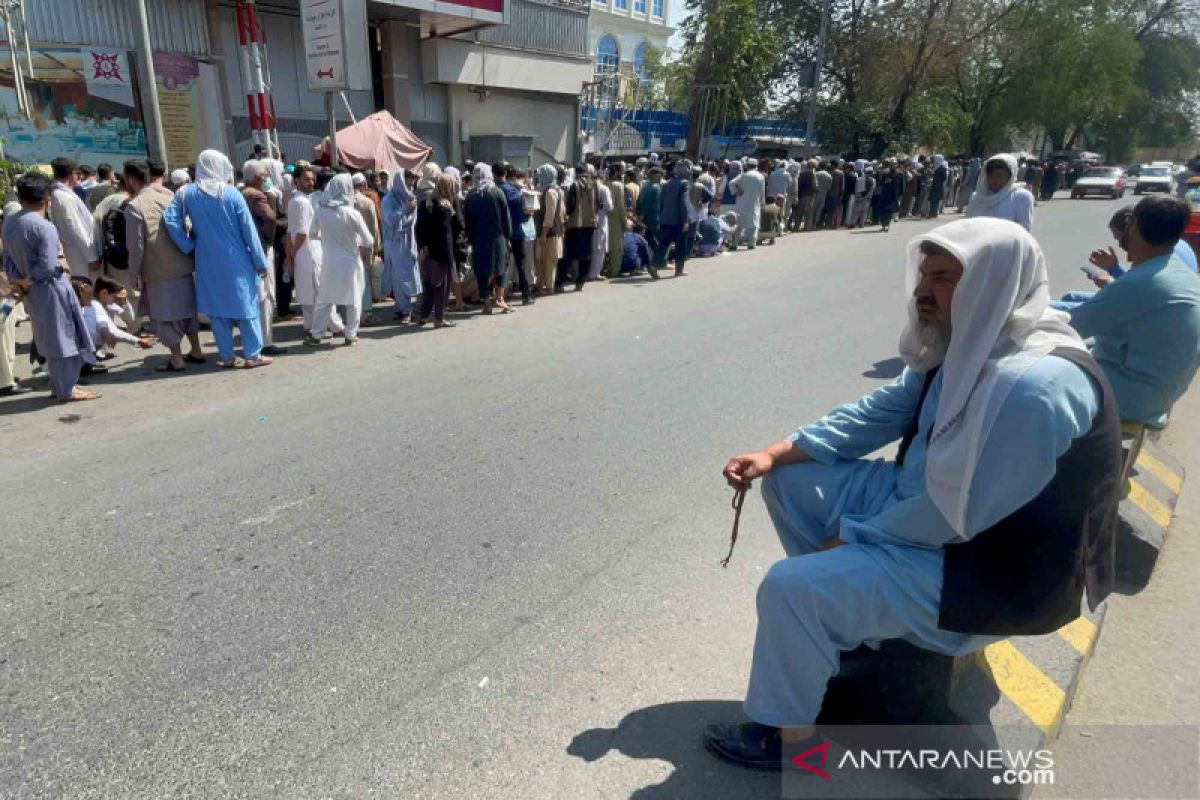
{"x":191,"y":359}
{"x":169,"y":367}
{"x":753,"y":745}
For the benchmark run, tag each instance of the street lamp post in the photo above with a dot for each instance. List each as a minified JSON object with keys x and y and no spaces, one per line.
{"x":158,"y":144}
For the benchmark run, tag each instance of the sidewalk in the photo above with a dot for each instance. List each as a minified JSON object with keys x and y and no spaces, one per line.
{"x":1144,"y":666}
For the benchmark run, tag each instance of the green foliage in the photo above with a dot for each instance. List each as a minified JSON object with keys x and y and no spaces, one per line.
{"x":958,"y":75}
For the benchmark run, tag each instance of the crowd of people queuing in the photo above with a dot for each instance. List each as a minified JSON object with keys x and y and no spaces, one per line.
{"x":103,"y":257}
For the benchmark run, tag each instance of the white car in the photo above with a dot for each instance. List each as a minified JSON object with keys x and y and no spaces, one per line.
{"x":1106,"y":181}
{"x":1154,"y":179}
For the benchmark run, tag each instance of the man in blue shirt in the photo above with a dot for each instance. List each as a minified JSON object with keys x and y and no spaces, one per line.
{"x":506,"y":178}
{"x":1146,"y":326}
{"x":1108,"y":264}
{"x":635,"y":253}
{"x":947,"y":547}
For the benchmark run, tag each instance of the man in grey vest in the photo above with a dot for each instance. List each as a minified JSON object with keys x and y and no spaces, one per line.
{"x":949,"y":547}
{"x":157,"y":268}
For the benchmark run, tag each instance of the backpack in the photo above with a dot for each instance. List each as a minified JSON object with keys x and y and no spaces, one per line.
{"x":113,"y":251}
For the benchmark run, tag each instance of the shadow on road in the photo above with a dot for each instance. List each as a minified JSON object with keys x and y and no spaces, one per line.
{"x":671,"y":732}
{"x":887,"y":369}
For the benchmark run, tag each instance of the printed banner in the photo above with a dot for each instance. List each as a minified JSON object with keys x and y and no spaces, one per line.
{"x":82,"y":107}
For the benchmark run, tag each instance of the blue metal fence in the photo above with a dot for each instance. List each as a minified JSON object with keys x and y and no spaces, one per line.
{"x":672,"y":125}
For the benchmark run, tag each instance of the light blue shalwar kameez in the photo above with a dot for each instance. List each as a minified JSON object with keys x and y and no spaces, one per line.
{"x":401,"y":273}
{"x":886,"y":582}
{"x":229,"y":260}
{"x":1146,"y":332}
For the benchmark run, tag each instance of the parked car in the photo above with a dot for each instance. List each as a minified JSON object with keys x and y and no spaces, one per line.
{"x":1191,"y":234}
{"x":1109,"y":181}
{"x":1153,"y":179}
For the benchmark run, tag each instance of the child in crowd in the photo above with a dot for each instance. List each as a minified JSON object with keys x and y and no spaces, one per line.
{"x":100,"y":326}
{"x":636,"y":257}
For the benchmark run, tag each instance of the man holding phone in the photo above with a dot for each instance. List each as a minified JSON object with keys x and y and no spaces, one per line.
{"x":1104,"y":265}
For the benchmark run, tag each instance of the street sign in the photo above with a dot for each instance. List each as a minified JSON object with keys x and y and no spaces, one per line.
{"x":335,"y":44}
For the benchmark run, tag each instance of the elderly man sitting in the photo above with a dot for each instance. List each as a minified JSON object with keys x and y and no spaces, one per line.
{"x":948,"y":547}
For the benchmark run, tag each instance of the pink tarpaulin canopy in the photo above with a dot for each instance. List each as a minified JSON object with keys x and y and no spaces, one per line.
{"x":379,"y":141}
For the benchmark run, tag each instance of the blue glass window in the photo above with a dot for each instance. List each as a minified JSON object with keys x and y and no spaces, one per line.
{"x":621,"y":5}
{"x":639,"y":6}
{"x":639,"y":62}
{"x":656,"y":8}
{"x":608,"y":56}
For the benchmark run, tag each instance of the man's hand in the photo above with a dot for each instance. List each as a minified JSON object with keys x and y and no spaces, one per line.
{"x":1104,"y":258}
{"x":145,"y":342}
{"x":741,"y":471}
{"x":1101,"y":279}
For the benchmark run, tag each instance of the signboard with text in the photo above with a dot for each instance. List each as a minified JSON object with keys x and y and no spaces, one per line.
{"x":335,"y":44}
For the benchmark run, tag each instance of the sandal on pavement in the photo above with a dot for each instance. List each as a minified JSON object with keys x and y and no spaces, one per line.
{"x":261,"y":361}
{"x":81,"y":396}
{"x":753,"y":745}
{"x":169,"y":367}
{"x":230,"y":364}
{"x":444,"y":324}
{"x":191,"y":359}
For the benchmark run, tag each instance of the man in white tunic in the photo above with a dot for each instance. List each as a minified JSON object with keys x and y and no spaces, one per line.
{"x":951,"y":546}
{"x":73,"y":221}
{"x":344,"y":237}
{"x":304,"y":247}
{"x":750,"y":188}
{"x":998,"y":195}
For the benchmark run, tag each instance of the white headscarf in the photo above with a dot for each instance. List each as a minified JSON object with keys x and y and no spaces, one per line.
{"x":180,"y":177}
{"x":985,"y":201}
{"x":481,"y":177}
{"x":213,"y":172}
{"x":1002,"y":326}
{"x":339,"y":192}
{"x":938,"y":160}
{"x":252,"y":169}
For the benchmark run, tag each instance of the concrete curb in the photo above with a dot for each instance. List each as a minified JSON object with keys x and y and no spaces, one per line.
{"x":1146,"y":514}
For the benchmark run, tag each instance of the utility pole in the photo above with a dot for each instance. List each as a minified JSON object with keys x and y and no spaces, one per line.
{"x":332,"y":122}
{"x":158,"y":144}
{"x":816,"y":78}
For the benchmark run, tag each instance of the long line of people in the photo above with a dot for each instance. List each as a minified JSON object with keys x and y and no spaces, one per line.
{"x":204,"y":250}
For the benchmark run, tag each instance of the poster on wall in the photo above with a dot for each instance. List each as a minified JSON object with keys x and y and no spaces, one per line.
{"x":83,"y":107}
{"x":181,"y":103}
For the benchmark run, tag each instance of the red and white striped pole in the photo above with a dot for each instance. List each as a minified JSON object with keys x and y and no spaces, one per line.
{"x":258,"y":105}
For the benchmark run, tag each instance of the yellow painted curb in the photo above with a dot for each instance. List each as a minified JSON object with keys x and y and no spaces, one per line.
{"x":1161,"y":471}
{"x":1080,"y":634}
{"x":1038,"y":697}
{"x":1147,"y":502}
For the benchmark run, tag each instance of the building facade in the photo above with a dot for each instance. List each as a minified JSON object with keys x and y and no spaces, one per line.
{"x":475,"y":79}
{"x":622,"y":31}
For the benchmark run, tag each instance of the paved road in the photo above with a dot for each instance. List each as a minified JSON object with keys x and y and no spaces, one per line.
{"x":438,"y":564}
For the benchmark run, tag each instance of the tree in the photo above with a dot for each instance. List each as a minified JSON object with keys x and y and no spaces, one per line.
{"x":725,"y":44}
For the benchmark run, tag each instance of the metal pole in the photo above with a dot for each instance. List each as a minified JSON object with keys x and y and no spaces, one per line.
{"x":158,"y":145}
{"x":332,"y":122}
{"x":816,"y":79}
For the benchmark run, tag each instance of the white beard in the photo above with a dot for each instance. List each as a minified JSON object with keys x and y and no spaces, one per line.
{"x":923,"y":345}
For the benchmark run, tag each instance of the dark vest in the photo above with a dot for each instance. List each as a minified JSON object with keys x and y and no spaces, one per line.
{"x":1025,"y":575}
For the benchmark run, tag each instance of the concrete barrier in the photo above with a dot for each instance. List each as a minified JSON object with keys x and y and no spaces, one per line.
{"x":1146,"y":513}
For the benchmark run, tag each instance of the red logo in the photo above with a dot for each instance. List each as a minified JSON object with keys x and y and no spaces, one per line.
{"x":106,"y":67}
{"x":325,"y":73}
{"x":801,"y":762}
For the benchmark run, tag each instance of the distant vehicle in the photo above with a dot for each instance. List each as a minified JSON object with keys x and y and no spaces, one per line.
{"x":1191,"y":234}
{"x":1109,"y":181}
{"x":1133,"y":170}
{"x":1154,"y":179}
